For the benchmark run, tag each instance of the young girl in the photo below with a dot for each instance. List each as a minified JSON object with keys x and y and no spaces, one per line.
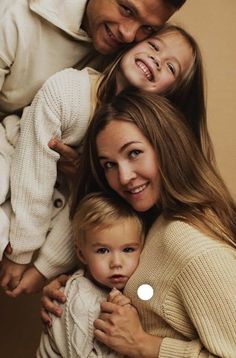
{"x":167,"y":63}
{"x":139,"y":148}
{"x":109,"y":238}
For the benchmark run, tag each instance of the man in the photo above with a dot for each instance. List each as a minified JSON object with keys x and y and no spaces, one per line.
{"x":40,"y":37}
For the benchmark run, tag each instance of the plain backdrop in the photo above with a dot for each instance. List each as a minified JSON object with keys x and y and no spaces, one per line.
{"x":213,"y":23}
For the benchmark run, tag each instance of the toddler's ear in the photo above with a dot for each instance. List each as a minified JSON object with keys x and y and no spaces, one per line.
{"x":80,"y":255}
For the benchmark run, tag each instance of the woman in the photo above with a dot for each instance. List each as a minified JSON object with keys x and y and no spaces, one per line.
{"x":140,"y":149}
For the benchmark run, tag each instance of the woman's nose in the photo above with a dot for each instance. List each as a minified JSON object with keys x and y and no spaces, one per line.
{"x":126,"y":174}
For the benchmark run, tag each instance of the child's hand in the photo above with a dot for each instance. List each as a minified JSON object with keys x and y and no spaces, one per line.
{"x":11,"y":274}
{"x":31,"y":282}
{"x":117,"y":297}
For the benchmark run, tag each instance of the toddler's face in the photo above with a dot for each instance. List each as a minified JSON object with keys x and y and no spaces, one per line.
{"x":155,"y":64}
{"x":112,"y":253}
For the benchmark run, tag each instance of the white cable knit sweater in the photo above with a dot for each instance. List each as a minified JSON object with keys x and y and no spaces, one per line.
{"x":71,"y":336}
{"x":62,"y":109}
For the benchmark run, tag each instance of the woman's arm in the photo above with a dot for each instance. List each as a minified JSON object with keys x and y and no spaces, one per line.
{"x":120,"y":329}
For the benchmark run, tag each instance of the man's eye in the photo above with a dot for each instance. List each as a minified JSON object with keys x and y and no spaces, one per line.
{"x":126,"y":11}
{"x":102,"y":250}
{"x":129,"y":249}
{"x":148,"y":29}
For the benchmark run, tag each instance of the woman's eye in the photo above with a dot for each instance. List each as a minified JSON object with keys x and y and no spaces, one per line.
{"x":171,"y":68}
{"x":108,"y":165}
{"x":134,"y":153}
{"x":102,"y":250}
{"x":129,"y":249}
{"x":153,"y":46}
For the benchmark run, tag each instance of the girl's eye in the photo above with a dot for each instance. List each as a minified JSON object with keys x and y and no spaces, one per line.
{"x":129,"y":249}
{"x":153,"y":46}
{"x":171,"y":68}
{"x":102,"y":250}
{"x":134,"y":153}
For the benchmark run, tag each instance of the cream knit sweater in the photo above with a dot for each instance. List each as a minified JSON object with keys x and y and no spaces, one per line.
{"x":62,"y":109}
{"x":194,"y":301}
{"x":71,"y":336}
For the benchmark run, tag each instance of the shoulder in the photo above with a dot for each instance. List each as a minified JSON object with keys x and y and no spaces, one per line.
{"x":182,"y":242}
{"x":67,"y":92}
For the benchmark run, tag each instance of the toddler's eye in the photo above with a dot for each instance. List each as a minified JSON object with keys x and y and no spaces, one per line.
{"x":129,"y":249}
{"x":102,"y":250}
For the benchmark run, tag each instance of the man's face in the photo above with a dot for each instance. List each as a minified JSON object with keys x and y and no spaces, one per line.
{"x":112,"y":23}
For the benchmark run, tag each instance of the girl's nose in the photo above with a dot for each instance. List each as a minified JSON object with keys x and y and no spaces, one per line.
{"x":157,"y":61}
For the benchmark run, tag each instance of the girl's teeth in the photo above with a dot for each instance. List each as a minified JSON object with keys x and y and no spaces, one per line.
{"x":145,"y":69}
{"x":138,"y":190}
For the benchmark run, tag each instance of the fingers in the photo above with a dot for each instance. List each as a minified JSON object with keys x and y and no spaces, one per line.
{"x":8,"y":249}
{"x":115,"y":296}
{"x":62,"y":279}
{"x":63,"y":149}
{"x":46,"y":319}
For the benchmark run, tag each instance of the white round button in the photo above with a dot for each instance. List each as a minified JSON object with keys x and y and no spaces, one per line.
{"x":145,"y":292}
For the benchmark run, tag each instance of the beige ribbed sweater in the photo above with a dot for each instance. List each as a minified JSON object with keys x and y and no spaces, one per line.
{"x":194,"y":301}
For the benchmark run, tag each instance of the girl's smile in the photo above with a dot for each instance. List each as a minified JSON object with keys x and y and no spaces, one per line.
{"x":130,"y":164}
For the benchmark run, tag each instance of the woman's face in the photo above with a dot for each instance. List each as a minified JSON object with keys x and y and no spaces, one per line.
{"x":155,"y":64}
{"x":130,"y":164}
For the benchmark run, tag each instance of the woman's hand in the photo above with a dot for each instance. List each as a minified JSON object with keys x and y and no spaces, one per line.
{"x":69,"y":157}
{"x":119,"y":328}
{"x":52,"y":292}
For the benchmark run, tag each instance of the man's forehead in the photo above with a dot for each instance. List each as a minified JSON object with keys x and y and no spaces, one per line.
{"x":155,"y":11}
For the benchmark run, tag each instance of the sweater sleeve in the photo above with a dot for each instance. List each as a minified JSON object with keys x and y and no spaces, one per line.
{"x":60,"y":109}
{"x":207,"y":287}
{"x":57,"y":254}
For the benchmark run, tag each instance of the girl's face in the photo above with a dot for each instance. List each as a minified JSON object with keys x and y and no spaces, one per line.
{"x":156,"y":63}
{"x":130,"y":164}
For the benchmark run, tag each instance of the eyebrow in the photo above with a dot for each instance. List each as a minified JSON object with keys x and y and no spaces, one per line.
{"x":121,"y":149}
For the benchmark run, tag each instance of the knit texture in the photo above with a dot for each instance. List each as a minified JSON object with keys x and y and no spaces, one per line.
{"x":194,"y":283}
{"x":71,"y":336}
{"x":37,"y":39}
{"x":61,"y":109}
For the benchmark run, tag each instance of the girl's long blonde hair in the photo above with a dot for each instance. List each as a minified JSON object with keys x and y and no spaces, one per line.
{"x":191,"y":188}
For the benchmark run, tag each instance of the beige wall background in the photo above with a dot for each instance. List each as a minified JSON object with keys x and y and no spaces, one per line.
{"x":213,"y":24}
